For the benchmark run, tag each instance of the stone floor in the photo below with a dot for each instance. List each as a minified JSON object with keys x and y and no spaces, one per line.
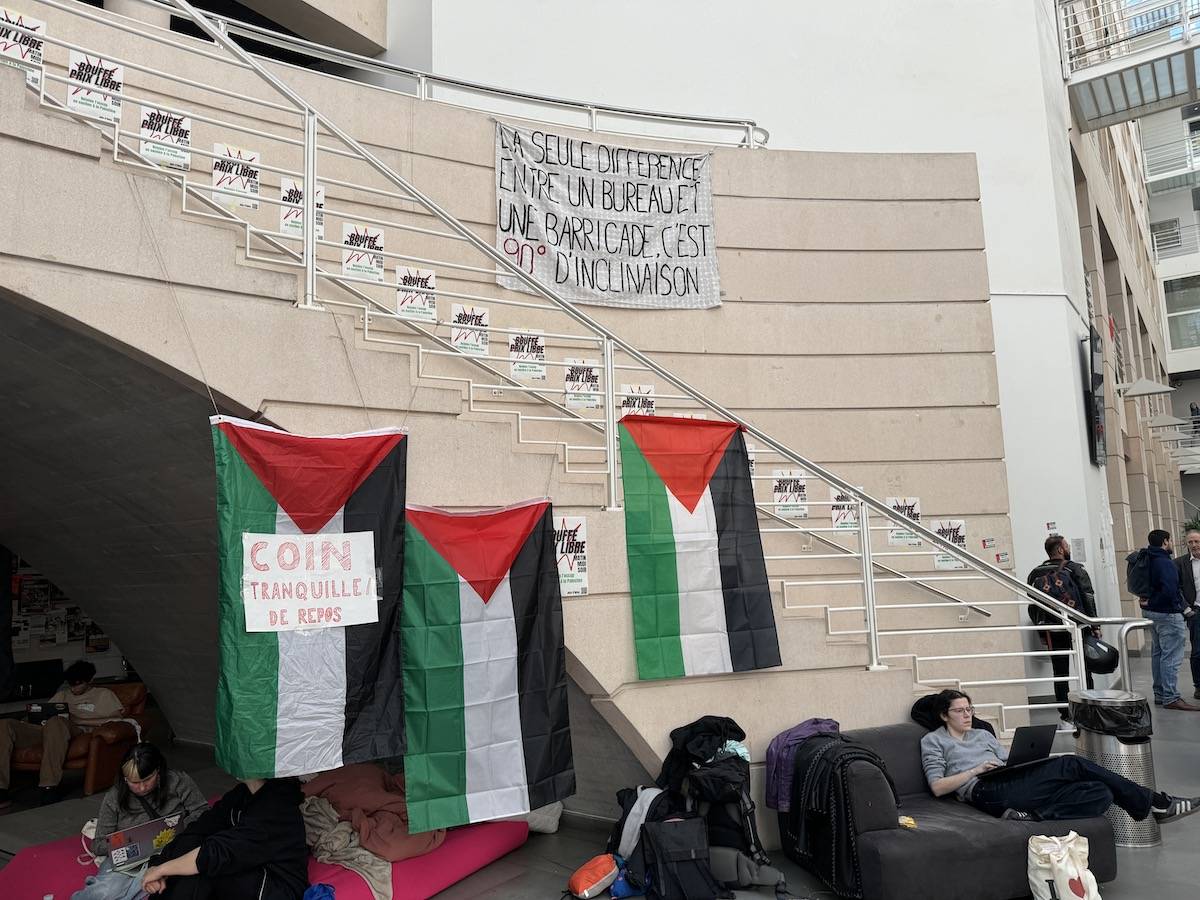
{"x":539,"y":870}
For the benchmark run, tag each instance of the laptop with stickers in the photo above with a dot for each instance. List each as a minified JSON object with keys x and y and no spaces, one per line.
{"x":134,"y":846}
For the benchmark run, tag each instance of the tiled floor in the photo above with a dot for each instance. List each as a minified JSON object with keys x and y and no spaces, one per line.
{"x":539,"y":870}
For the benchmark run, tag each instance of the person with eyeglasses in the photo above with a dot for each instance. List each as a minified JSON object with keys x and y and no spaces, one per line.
{"x":148,"y":789}
{"x":1061,"y":787}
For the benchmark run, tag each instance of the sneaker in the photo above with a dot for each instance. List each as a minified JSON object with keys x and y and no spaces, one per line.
{"x":47,"y":795}
{"x":1177,"y":808}
{"x":1182,"y":705}
{"x":5,"y":798}
{"x":1017,"y":815}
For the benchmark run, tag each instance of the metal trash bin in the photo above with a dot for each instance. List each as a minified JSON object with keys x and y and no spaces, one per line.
{"x":1113,"y":729}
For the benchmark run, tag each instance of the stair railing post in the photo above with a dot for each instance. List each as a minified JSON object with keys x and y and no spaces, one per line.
{"x":309,"y":202}
{"x":610,"y":424}
{"x":868,"y":582}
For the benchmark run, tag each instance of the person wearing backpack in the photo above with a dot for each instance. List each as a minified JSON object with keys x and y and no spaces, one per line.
{"x":1067,"y":582}
{"x":1162,"y":603}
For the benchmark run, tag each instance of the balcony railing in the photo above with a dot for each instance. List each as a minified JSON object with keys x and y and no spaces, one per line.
{"x":1172,"y":158}
{"x":1096,"y":32}
{"x":1177,"y":242}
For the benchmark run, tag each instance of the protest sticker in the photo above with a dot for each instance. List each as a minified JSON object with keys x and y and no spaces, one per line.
{"x":527,"y":355}
{"x":291,"y":218}
{"x":293,"y":582}
{"x":570,"y":536}
{"x":955,"y":531}
{"x":166,"y":138}
{"x":95,"y":88}
{"x":582,"y":383}
{"x":636,"y":399}
{"x":236,"y":174}
{"x":789,"y":493}
{"x":604,"y":224}
{"x":362,"y":251}
{"x":21,"y":50}
{"x":415,"y":299}
{"x":910,"y":508}
{"x":469,"y":329}
{"x":843,"y":511}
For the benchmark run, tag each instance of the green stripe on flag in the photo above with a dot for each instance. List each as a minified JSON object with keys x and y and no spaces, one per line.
{"x":653,"y":576}
{"x":435,"y":763}
{"x":248,"y":684}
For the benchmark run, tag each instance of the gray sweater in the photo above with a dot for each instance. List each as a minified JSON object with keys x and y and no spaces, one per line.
{"x":942,"y":755}
{"x":180,"y":795}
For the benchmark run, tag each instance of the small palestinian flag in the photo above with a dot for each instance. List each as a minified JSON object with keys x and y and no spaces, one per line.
{"x":311,"y":543}
{"x":485,"y":682}
{"x":698,"y":580}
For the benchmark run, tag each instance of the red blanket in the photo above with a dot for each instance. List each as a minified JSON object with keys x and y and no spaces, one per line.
{"x":372,"y":801}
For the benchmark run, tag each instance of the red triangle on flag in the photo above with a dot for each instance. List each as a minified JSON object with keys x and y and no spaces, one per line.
{"x":684,"y":452}
{"x":310,"y":477}
{"x":481,"y":547}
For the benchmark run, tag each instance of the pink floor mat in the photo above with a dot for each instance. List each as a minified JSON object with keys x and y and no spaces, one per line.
{"x":52,"y":869}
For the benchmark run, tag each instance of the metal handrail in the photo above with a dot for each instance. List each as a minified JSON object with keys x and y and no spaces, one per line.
{"x":1005,"y":579}
{"x":756,"y":135}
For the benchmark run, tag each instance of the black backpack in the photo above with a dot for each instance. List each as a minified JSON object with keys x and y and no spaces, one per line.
{"x":671,"y":861}
{"x":1061,"y":585}
{"x":1137,"y":573}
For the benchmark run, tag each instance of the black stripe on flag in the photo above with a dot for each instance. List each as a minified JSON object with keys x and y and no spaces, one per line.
{"x":541,"y":667}
{"x":374,"y":673}
{"x":749,"y":615}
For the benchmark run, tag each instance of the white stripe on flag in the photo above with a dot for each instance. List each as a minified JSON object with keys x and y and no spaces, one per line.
{"x":702,"y":628}
{"x":496,"y":780}
{"x":311,"y":711}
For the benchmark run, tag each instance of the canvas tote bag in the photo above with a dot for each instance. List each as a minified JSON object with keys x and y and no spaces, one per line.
{"x":1058,"y":868}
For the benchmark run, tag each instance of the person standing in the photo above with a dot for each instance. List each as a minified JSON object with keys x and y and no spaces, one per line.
{"x":1164,"y":607}
{"x":1189,"y":577}
{"x":1068,"y":582}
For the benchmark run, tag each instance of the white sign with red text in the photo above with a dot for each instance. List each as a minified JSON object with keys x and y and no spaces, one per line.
{"x":21,"y":50}
{"x":95,"y":87}
{"x":296,"y":582}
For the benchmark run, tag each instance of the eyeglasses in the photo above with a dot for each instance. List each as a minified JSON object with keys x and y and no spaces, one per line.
{"x":962,"y":710}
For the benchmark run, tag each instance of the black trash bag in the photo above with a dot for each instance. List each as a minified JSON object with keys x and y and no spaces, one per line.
{"x":1128,"y":722}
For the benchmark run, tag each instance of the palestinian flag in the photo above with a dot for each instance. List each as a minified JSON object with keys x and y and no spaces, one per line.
{"x":311,"y":543}
{"x":698,"y":580}
{"x":485,"y":681}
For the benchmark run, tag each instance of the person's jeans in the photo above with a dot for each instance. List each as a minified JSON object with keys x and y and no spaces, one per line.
{"x":1193,"y":625}
{"x":1166,"y":653}
{"x":109,"y":885}
{"x":1063,"y":787}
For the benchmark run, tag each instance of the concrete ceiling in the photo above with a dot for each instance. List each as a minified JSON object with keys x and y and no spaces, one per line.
{"x":107,"y":486}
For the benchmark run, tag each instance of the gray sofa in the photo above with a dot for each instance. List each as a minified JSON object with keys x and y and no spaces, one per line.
{"x":955,"y":852}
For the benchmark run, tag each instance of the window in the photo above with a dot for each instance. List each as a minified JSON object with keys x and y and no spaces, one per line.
{"x":1183,"y":312}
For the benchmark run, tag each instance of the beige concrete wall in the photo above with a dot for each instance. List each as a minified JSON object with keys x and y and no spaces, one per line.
{"x":855,"y":327}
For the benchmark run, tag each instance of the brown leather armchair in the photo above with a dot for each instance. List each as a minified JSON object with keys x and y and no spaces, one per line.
{"x":99,"y":752}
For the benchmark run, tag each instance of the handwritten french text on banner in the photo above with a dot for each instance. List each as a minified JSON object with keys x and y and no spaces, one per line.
{"x":607,"y":225}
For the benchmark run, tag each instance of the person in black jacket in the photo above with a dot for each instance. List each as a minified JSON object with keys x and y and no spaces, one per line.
{"x":249,"y":846}
{"x":1187,"y":566}
{"x":1058,"y":557}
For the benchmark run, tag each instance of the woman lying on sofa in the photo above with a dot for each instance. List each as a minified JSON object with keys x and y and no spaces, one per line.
{"x":1061,"y":787}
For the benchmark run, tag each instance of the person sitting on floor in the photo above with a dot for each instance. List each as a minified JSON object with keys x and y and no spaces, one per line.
{"x":1061,"y":787}
{"x":147,"y":790}
{"x":249,"y":846}
{"x":88,"y":706}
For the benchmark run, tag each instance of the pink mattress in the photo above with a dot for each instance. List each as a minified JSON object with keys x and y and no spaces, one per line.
{"x":51,"y":868}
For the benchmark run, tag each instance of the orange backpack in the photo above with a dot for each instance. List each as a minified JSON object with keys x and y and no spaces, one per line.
{"x":594,"y":877}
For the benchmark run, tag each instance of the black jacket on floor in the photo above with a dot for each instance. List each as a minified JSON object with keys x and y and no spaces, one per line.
{"x":246,"y":832}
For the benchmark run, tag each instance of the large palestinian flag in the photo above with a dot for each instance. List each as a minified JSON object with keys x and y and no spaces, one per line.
{"x":701,"y":602}
{"x":485,"y":682}
{"x":311,"y":534}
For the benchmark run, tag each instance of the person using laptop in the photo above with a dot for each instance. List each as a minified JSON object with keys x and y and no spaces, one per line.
{"x":87,"y":707}
{"x":148,"y":789}
{"x":956,"y":755}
